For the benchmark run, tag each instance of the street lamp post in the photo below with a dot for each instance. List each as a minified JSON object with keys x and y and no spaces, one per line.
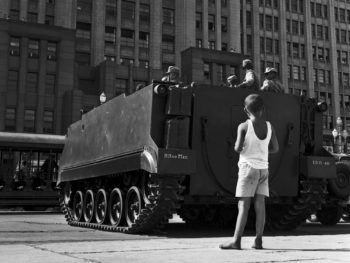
{"x":339,"y":135}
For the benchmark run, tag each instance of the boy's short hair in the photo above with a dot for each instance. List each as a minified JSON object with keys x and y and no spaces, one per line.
{"x":254,"y":103}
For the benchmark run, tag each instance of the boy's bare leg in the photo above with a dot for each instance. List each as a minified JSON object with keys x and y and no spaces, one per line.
{"x":243,"y":209}
{"x":259,"y":205}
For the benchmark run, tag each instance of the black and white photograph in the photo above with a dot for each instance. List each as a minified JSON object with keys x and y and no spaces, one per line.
{"x":174,"y":131}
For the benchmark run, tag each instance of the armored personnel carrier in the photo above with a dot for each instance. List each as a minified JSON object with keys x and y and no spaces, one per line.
{"x":132,"y":162}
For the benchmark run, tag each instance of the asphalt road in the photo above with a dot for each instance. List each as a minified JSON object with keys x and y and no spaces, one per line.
{"x":34,"y":237}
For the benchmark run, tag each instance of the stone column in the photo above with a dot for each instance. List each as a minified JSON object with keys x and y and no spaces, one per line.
{"x":308,"y":51}
{"x":137,"y":32}
{"x":66,"y":13}
{"x":22,"y":79}
{"x":234,"y":29}
{"x":283,"y":45}
{"x":118,"y":33}
{"x":256,"y":36}
{"x":4,"y":8}
{"x":41,"y":88}
{"x":41,"y":11}
{"x":155,"y":34}
{"x":218,"y":25}
{"x":333,"y":61}
{"x":205,"y":23}
{"x":23,"y":10}
{"x":98,"y":31}
{"x":4,"y":51}
{"x":185,"y":27}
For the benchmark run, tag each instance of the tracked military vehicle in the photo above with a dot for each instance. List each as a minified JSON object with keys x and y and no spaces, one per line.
{"x":132,"y":162}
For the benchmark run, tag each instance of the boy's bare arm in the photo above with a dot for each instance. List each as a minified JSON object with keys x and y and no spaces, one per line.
{"x":241,"y":131}
{"x":273,"y":145}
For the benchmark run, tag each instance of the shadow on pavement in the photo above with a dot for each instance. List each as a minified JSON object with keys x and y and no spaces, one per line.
{"x":181,"y":230}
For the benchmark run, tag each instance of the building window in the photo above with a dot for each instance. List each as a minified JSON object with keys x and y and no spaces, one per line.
{"x":211,"y":3}
{"x":211,"y":22}
{"x":51,"y":51}
{"x":248,"y":18}
{"x":121,"y":86}
{"x":49,"y":20}
{"x":261,"y":21}
{"x":82,"y":58}
{"x":168,"y":43}
{"x":275,"y":24}
{"x":346,"y":80}
{"x":32,"y":82}
{"x":295,"y":27}
{"x":321,"y":76}
{"x":224,"y":46}
{"x":15,"y":46}
{"x":207,"y":71}
{"x":33,"y":48}
{"x":110,"y":36}
{"x":277,"y":47}
{"x":249,"y":43}
{"x":10,"y":119}
{"x":50,"y":84}
{"x":111,"y":11}
{"x":32,"y":17}
{"x":344,"y":57}
{"x":109,"y":58}
{"x":268,"y":23}
{"x":84,"y":8}
{"x":12,"y":80}
{"x":262,"y":45}
{"x":83,"y":30}
{"x":168,"y":16}
{"x":144,"y":64}
{"x":143,"y":39}
{"x":144,"y":13}
{"x":296,"y":72}
{"x":224,"y":24}
{"x":29,"y":120}
{"x":126,"y":61}
{"x":211,"y":44}
{"x":48,"y":122}
{"x":127,"y":37}
{"x":199,"y":20}
{"x":199,"y":43}
{"x":269,"y":46}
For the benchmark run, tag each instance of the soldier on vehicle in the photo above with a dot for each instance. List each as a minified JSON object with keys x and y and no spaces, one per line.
{"x":172,"y":75}
{"x":271,"y":83}
{"x":232,"y":81}
{"x":250,"y":80}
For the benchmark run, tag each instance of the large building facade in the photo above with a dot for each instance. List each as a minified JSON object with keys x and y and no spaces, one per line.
{"x":117,"y":44}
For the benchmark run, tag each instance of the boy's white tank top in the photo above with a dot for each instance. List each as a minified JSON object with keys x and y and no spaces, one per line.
{"x":255,"y":151}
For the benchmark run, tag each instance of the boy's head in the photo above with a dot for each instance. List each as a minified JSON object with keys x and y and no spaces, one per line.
{"x":254,"y":104}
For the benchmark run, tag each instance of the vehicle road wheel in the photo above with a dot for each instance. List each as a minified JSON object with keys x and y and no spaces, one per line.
{"x":329,"y":215}
{"x":116,"y":207}
{"x":89,"y":205}
{"x":101,"y":206}
{"x":78,"y":204}
{"x":340,"y":186}
{"x":133,"y":205}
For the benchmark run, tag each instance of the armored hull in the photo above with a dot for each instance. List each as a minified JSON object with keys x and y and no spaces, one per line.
{"x":132,"y":162}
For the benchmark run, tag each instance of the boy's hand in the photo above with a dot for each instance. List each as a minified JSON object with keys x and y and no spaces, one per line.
{"x":273,"y":145}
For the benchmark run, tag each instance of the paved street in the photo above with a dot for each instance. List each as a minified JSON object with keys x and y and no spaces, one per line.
{"x":33,"y":237}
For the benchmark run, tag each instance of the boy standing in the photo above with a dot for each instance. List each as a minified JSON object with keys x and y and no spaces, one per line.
{"x":256,"y":138}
